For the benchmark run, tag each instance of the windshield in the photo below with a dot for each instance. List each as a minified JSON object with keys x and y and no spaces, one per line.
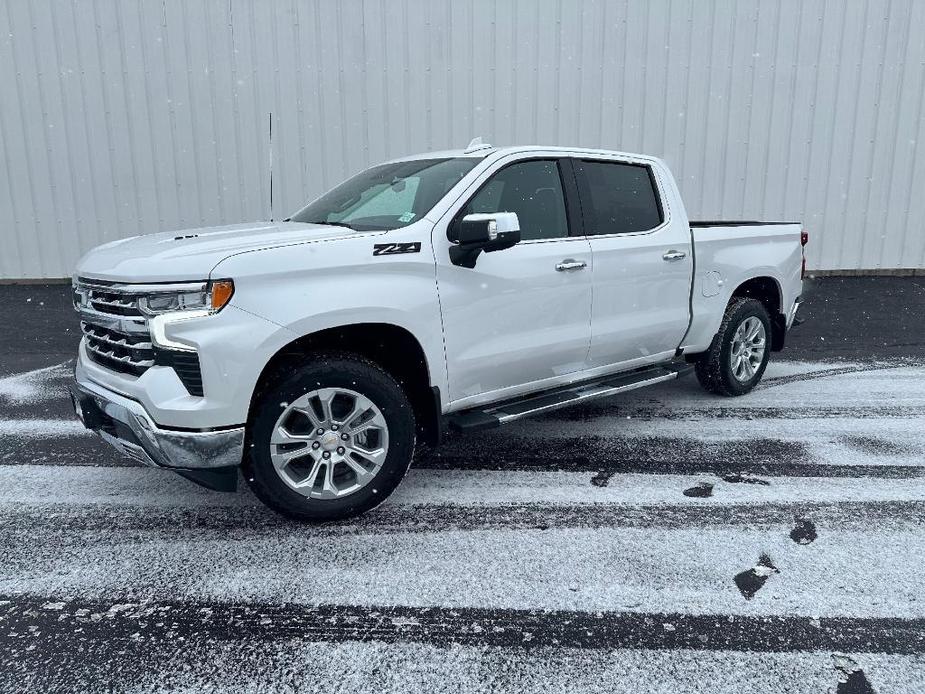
{"x":387,"y":196}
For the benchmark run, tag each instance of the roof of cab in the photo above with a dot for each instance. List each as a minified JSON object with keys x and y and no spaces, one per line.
{"x":517,"y":149}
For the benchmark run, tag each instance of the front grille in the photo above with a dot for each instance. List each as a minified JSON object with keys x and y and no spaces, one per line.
{"x":128,"y":353}
{"x":116,"y":334}
{"x":115,"y":330}
{"x":105,"y":298}
{"x":116,"y":304}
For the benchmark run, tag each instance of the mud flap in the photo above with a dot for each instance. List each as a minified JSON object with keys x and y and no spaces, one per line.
{"x":219,"y":479}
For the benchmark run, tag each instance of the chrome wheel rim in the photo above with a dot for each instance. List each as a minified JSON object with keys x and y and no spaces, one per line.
{"x":329,"y":443}
{"x":747,"y":353}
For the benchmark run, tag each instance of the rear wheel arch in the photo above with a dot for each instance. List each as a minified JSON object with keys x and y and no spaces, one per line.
{"x":768,"y":291}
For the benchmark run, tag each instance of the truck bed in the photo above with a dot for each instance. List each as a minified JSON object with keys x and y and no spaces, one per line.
{"x":728,"y":253}
{"x":737,"y":223}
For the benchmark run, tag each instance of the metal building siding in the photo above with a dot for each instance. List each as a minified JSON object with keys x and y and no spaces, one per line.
{"x":127,"y":117}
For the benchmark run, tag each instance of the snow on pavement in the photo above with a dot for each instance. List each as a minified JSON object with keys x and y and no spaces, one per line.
{"x":557,"y":554}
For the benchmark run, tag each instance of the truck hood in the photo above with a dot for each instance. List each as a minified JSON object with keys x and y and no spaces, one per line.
{"x":192,"y":253}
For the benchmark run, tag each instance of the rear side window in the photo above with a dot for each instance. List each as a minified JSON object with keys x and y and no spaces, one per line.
{"x":617,"y":198}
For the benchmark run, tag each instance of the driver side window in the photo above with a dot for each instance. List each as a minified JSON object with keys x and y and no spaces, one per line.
{"x":532,"y":189}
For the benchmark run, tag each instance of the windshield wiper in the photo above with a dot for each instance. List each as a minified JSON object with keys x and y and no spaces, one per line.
{"x":336,"y":224}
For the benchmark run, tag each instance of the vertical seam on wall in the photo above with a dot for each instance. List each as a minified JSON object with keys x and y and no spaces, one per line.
{"x":216,"y":134}
{"x":645,"y":75}
{"x":724,"y":157}
{"x":894,"y":129}
{"x":257,"y":114}
{"x":451,"y":115}
{"x":275,"y":117}
{"x":364,"y":97}
{"x":706,"y":111}
{"x":27,"y":142}
{"x":94,"y":192}
{"x":750,"y":112}
{"x":384,"y":63}
{"x":831,"y":138}
{"x":600,"y":82}
{"x":46,"y":144}
{"x":107,"y":118}
{"x":194,"y":136}
{"x":147,"y":97}
{"x":4,"y":139}
{"x":557,"y":68}
{"x":319,"y":92}
{"x":243,"y":198}
{"x":536,"y":75}
{"x":853,"y":137}
{"x":341,"y":95}
{"x":126,"y":102}
{"x":912,"y":166}
{"x":171,"y":116}
{"x":406,"y":59}
{"x":67,"y":113}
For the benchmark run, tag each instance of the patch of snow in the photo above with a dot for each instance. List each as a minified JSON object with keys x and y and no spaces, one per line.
{"x":35,"y":386}
{"x":42,"y":428}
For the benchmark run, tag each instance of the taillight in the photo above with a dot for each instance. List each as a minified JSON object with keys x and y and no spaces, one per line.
{"x":804,"y":239}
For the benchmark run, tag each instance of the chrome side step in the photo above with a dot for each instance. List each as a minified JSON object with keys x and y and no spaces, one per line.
{"x":501,"y":413}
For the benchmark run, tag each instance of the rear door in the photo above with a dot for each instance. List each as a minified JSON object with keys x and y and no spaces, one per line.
{"x":521,"y":318}
{"x":642,"y":262}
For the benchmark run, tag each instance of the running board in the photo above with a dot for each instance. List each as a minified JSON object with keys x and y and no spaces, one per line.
{"x":495,"y":415}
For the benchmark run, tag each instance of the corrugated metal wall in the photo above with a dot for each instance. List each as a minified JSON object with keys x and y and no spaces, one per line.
{"x":126,"y":117}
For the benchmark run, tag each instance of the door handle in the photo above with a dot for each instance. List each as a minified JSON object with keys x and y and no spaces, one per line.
{"x":673,"y":255}
{"x":569,"y":264}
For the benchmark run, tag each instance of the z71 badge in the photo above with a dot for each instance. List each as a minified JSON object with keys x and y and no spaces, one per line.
{"x":396,"y":248}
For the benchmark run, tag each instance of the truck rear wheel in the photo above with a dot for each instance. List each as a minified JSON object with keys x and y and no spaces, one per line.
{"x":740,"y":350}
{"x":331,"y":441}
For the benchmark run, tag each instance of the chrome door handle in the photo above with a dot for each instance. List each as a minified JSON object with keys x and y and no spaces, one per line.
{"x":673,"y":255}
{"x":569,"y":264}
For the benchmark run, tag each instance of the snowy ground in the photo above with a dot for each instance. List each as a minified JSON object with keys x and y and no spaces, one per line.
{"x":560,"y":554}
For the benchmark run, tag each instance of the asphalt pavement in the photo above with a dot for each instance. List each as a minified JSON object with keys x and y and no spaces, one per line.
{"x":663,"y":541}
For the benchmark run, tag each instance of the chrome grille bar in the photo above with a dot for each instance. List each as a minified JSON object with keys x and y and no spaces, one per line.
{"x":112,"y":356}
{"x":114,"y":303}
{"x":97,"y":333}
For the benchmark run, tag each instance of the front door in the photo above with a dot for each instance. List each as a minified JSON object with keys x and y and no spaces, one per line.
{"x":521,"y":316}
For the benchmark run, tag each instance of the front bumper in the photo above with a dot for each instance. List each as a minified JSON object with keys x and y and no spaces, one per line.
{"x":126,"y":425}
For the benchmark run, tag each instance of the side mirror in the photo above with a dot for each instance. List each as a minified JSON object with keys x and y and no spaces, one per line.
{"x":490,"y":232}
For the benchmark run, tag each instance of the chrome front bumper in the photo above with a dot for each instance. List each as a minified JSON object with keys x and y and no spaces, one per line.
{"x":126,"y":425}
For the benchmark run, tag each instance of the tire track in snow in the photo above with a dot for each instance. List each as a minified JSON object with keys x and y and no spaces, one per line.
{"x":657,"y":455}
{"x":774,"y":381}
{"x":51,"y":623}
{"x":593,"y":411}
{"x":68,"y":524}
{"x":592,"y":454}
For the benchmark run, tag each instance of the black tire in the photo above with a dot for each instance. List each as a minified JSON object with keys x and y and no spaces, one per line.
{"x":713,"y":368}
{"x":328,"y":370}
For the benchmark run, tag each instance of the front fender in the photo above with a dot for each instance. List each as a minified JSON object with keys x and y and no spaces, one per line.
{"x":314,"y":287}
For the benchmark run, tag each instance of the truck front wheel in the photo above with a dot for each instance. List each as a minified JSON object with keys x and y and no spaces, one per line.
{"x":331,"y":440}
{"x":740,"y":350}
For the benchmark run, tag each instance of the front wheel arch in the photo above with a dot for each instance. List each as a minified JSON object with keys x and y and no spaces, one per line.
{"x":391,"y":347}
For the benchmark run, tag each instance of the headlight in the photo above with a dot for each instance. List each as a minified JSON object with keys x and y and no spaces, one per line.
{"x":210,"y":297}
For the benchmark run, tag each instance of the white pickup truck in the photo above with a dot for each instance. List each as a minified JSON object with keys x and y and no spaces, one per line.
{"x":454,"y":290}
